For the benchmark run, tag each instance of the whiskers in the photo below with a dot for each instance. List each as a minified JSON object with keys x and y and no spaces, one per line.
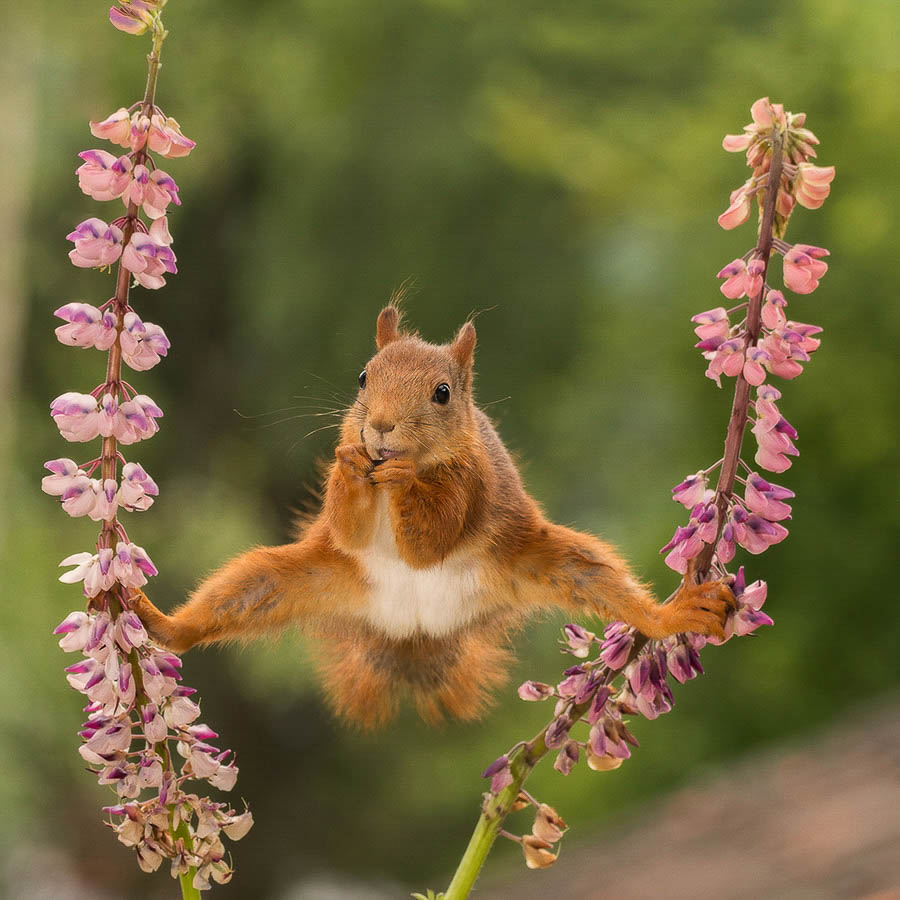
{"x":310,"y":410}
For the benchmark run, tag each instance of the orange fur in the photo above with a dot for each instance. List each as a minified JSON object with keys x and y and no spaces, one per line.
{"x":426,"y":553}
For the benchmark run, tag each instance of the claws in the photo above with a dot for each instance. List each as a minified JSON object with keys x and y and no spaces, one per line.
{"x":702,"y":608}
{"x":353,"y":461}
{"x":393,"y":472}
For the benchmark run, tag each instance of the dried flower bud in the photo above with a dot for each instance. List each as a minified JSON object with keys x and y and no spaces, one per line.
{"x":548,"y":824}
{"x":538,"y":853}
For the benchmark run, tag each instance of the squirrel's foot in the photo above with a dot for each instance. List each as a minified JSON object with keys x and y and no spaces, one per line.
{"x":353,"y":461}
{"x":155,"y":622}
{"x":396,"y":472}
{"x":701,"y":608}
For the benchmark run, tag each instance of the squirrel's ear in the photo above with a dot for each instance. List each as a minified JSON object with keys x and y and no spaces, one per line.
{"x":386,"y":328}
{"x":463,"y":345}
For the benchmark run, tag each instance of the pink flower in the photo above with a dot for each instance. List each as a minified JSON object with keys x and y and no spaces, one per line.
{"x":773,"y":310}
{"x":115,"y":128}
{"x":683,"y":661}
{"x":566,"y":758}
{"x":140,"y":127}
{"x":755,"y":533}
{"x":103,"y":176}
{"x":65,"y":472}
{"x":689,"y":539}
{"x":143,"y":343}
{"x":813,"y":184}
{"x":765,"y":114}
{"x":151,"y":190}
{"x":137,"y":419}
{"x":748,"y":615}
{"x":157,"y":685}
{"x":80,"y":417}
{"x":579,"y":640}
{"x":138,"y":488}
{"x":803,"y":268}
{"x":767,"y":499}
{"x":90,"y":497}
{"x":573,"y":683}
{"x":165,"y":137}
{"x":775,"y":438}
{"x":734,"y":143}
{"x":225,"y":779}
{"x":789,"y":347}
{"x":741,"y":279}
{"x":784,"y":203}
{"x":181,"y":711}
{"x":499,"y":773}
{"x":96,"y":244}
{"x":155,"y":729}
{"x":619,"y":639}
{"x":134,"y":16}
{"x":753,"y":366}
{"x":87,"y":327}
{"x":147,"y":256}
{"x":93,"y":569}
{"x":691,"y":491}
{"x":535,"y":690}
{"x":129,"y":631}
{"x":726,"y":359}
{"x":734,"y":274}
{"x":76,"y":416}
{"x":739,"y":210}
{"x":712,"y":324}
{"x":726,"y":548}
{"x":75,"y":630}
{"x":131,"y":565}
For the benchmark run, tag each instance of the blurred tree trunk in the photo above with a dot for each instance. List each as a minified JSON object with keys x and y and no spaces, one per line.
{"x":18,"y":50}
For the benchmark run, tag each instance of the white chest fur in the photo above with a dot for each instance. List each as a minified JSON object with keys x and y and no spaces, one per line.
{"x":403,"y":600}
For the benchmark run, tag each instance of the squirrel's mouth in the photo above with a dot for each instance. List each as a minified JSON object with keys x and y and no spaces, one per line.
{"x":384,"y":453}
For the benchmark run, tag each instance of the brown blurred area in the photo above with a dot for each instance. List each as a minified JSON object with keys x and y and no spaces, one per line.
{"x":811,"y":820}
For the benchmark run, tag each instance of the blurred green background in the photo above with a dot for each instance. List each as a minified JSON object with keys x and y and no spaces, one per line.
{"x":556,"y":166}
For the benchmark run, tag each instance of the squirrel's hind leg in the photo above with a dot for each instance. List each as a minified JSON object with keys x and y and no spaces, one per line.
{"x":259,"y":592}
{"x":578,"y":572}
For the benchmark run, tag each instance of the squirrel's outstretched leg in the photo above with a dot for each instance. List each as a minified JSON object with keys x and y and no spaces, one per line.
{"x":258,"y":592}
{"x":576,"y":571}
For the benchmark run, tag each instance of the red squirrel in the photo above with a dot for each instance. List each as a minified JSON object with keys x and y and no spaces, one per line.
{"x":426,"y":553}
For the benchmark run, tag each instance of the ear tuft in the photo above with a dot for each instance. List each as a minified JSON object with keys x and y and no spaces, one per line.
{"x":387,"y":326}
{"x":463,"y":345}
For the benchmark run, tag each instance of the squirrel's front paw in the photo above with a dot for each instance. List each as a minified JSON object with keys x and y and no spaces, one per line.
{"x":155,"y":622}
{"x":395,"y":472}
{"x":353,"y":461}
{"x":701,"y":608}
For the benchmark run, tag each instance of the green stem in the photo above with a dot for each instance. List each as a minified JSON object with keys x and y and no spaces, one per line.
{"x":188,"y":891}
{"x":498,"y":806}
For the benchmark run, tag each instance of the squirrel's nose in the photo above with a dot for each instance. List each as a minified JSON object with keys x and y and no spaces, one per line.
{"x":382,"y":427}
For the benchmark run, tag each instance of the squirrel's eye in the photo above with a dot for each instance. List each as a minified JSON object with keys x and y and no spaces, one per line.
{"x":362,"y":378}
{"x":441,"y":394}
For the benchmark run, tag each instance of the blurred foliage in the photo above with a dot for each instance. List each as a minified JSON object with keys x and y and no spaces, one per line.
{"x":553,"y":166}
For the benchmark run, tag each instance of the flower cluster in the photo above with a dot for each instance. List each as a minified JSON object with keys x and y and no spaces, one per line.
{"x":133,"y":694}
{"x":137,"y":709}
{"x":623,"y":673}
{"x":800,"y":181}
{"x":761,"y":344}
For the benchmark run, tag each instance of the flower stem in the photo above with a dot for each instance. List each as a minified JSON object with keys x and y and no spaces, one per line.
{"x":188,"y":891}
{"x":497,"y":807}
{"x":109,"y":455}
{"x":109,"y":446}
{"x":737,"y":421}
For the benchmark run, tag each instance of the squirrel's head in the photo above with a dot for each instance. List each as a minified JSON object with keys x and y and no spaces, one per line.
{"x":415,"y":398}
